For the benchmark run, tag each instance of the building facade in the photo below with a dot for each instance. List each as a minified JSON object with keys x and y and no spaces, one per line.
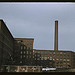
{"x":26,"y":41}
{"x":26,"y":50}
{"x":62,"y":59}
{"x":6,"y":44}
{"x":38,"y":61}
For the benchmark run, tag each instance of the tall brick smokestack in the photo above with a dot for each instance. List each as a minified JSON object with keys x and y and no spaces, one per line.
{"x":56,"y":36}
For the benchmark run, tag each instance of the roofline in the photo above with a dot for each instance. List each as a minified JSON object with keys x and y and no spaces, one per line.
{"x":53,"y":50}
{"x":24,"y":38}
{"x":7,"y":28}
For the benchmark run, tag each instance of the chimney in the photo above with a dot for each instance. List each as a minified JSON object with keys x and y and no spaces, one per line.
{"x":56,"y":36}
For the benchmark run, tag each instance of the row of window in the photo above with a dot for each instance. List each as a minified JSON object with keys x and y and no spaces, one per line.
{"x":24,"y":47}
{"x":63,"y":63}
{"x":59,"y":56}
{"x":27,"y":52}
{"x":54,"y":59}
{"x":28,"y":43}
{"x":47,"y":52}
{"x":25,"y":56}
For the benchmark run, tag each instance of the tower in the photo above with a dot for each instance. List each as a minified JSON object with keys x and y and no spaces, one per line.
{"x":56,"y":36}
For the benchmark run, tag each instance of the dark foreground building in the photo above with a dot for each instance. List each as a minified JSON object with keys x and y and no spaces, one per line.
{"x":6,"y":44}
{"x":14,"y":51}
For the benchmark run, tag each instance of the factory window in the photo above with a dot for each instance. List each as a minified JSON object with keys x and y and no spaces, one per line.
{"x":20,"y":61}
{"x":68,"y":60}
{"x":58,"y":56}
{"x":53,"y":52}
{"x":57,"y":59}
{"x":18,"y":41}
{"x":45,"y":52}
{"x":50,"y":57}
{"x":33,"y":56}
{"x":53,"y":59}
{"x":21,"y":52}
{"x":64,"y":56}
{"x":21,"y":47}
{"x":31,"y":47}
{"x":30,"y":52}
{"x":47,"y":57}
{"x":27,"y":52}
{"x":30,"y":43}
{"x":64,"y":52}
{"x":61,"y":56}
{"x":38,"y":59}
{"x":27,"y":56}
{"x":68,"y":56}
{"x":64,"y":59}
{"x":68,"y":63}
{"x":41,"y":52}
{"x":42,"y":55}
{"x":24,"y":55}
{"x":21,"y":56}
{"x":50,"y":52}
{"x":24,"y":47}
{"x":60,"y":52}
{"x":27,"y":48}
{"x":60,"y":59}
{"x":41,"y":58}
{"x":27,"y":43}
{"x":24,"y":52}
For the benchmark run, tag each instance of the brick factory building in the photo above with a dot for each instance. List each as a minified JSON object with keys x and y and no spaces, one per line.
{"x":26,"y":41}
{"x":26,"y":50}
{"x":19,"y":51}
{"x":62,"y":59}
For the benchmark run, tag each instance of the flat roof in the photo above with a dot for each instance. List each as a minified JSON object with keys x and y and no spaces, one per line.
{"x":52,"y":50}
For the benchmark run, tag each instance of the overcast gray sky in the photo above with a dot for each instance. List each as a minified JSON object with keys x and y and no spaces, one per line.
{"x":37,"y":20}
